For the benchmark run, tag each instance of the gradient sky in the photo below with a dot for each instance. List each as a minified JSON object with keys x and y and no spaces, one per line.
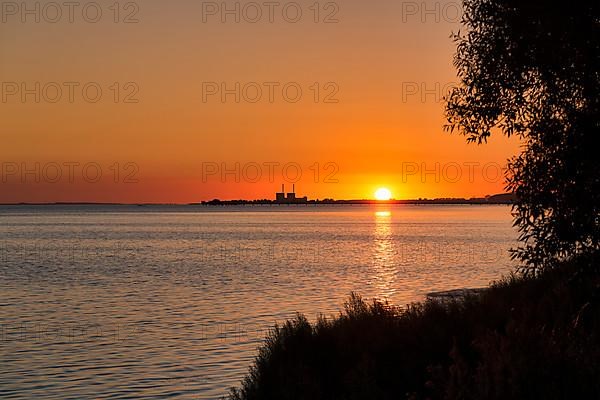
{"x":382,"y":131}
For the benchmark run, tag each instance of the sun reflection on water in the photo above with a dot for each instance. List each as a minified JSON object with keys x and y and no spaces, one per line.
{"x":383,"y":255}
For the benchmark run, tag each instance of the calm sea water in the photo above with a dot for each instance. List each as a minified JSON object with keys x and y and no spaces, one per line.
{"x":152,"y":302}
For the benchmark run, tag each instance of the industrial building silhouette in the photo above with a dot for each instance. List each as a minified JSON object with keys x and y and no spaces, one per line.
{"x":290,"y":198}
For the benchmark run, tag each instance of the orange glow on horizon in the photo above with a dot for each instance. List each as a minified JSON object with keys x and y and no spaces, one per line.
{"x":367,"y":118}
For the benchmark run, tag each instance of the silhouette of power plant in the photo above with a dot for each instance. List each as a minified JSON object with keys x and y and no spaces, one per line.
{"x":290,"y":198}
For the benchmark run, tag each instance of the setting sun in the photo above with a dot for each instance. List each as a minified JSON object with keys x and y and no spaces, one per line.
{"x":383,"y":194}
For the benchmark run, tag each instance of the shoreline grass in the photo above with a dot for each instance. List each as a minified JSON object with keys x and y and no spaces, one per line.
{"x":522,"y":338}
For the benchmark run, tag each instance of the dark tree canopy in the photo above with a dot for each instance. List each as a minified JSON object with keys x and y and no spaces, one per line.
{"x":532,"y":69}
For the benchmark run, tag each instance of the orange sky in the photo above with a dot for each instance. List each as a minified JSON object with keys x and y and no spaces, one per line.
{"x":378,"y":126}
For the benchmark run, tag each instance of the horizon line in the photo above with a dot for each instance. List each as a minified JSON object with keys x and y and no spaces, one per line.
{"x":267,"y":201}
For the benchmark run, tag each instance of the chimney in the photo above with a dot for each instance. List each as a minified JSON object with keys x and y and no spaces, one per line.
{"x":293,"y":188}
{"x":282,"y":188}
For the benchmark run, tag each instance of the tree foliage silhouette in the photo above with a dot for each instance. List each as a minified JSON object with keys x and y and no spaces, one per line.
{"x":532,"y":69}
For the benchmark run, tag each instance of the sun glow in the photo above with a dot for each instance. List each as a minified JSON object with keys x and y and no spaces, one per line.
{"x":383,"y":194}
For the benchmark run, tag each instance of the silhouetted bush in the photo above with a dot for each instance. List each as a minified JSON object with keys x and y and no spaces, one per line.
{"x":523,"y":338}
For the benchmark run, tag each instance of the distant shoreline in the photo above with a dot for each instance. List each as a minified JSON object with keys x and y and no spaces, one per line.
{"x":359,"y":202}
{"x":504,"y":198}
